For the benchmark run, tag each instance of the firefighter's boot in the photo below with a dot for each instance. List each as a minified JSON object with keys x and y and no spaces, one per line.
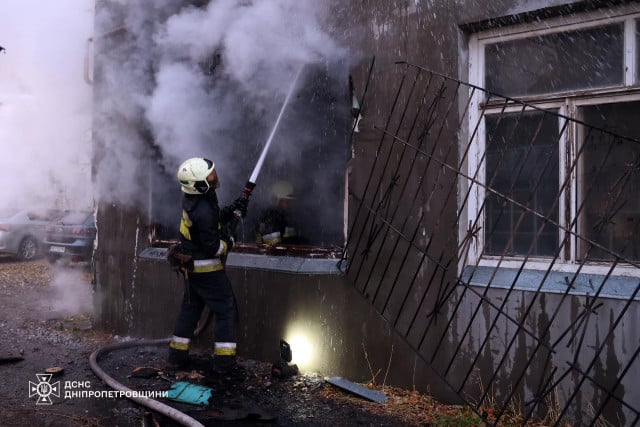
{"x":227,"y":370}
{"x":177,"y":359}
{"x":223,"y":364}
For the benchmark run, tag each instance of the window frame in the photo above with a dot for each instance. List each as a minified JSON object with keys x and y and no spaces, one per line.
{"x":250,"y":248}
{"x":297,"y":259}
{"x":568,"y":104}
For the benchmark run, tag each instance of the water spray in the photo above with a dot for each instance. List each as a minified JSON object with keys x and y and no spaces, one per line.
{"x":251,"y":183}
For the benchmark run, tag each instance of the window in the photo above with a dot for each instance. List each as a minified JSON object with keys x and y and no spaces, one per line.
{"x":309,"y":152}
{"x":562,"y":61}
{"x":559,"y":176}
{"x":610,"y":182}
{"x":518,"y":147}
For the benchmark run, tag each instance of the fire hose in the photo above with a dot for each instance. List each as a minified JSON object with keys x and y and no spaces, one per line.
{"x":152,"y":404}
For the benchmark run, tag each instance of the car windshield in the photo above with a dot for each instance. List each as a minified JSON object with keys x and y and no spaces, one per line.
{"x":74,"y":218}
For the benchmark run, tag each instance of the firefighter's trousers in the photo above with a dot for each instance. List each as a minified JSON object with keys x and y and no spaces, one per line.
{"x":213,"y":289}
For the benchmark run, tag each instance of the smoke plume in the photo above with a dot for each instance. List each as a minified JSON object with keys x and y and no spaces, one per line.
{"x":201,"y":79}
{"x":45,"y":103}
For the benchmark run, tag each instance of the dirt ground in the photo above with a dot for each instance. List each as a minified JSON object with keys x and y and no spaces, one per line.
{"x":45,"y":322}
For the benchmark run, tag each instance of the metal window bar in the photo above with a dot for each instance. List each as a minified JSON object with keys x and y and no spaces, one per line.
{"x":402,"y":191}
{"x":419,"y":281}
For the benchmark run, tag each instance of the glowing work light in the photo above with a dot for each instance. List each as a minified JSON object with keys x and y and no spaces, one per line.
{"x":301,"y":350}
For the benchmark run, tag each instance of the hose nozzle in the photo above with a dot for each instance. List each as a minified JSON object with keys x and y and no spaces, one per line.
{"x":248,"y":188}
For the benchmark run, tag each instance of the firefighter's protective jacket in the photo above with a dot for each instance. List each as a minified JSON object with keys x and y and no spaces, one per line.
{"x":275,"y":227}
{"x":202,"y":225}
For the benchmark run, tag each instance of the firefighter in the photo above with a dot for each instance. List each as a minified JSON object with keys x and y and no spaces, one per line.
{"x":274,"y":224}
{"x":203,"y":236}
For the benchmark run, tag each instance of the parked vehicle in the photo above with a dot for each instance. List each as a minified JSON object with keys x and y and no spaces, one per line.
{"x":71,"y":237}
{"x":22,"y":231}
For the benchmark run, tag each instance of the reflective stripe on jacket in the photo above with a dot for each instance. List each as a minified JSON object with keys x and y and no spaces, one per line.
{"x":200,"y":228}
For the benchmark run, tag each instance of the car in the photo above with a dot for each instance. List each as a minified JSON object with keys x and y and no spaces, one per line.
{"x":71,"y":237}
{"x":22,"y":231}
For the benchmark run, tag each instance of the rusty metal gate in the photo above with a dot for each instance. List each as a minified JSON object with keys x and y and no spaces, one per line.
{"x":500,"y":239}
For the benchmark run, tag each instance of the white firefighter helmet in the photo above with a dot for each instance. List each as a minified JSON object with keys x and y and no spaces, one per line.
{"x":281,"y":190}
{"x":193,"y":173}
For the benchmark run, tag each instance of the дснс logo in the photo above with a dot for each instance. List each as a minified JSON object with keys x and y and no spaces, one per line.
{"x":43,"y":389}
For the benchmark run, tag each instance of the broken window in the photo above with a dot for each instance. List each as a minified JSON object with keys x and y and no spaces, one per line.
{"x":559,"y":180}
{"x":307,"y":157}
{"x":302,"y":180}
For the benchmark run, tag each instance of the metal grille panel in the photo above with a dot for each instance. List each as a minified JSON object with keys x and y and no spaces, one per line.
{"x":492,"y":234}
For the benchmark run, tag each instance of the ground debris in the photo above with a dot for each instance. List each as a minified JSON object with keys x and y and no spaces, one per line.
{"x":11,"y":359}
{"x":18,"y":274}
{"x":362,"y":391}
{"x":54,"y":371}
{"x":144,"y":372}
{"x":304,"y":399}
{"x":193,"y":375}
{"x":414,"y":408}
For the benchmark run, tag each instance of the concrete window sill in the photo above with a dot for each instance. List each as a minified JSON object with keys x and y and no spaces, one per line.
{"x":620,"y":287}
{"x":281,"y":263}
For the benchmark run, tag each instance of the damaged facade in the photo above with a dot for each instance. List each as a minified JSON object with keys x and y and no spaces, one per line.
{"x":490,"y":252}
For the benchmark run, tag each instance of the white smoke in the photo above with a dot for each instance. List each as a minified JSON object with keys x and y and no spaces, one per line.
{"x":45,"y":103}
{"x":194,"y":76}
{"x":261,"y":43}
{"x":70,"y":291}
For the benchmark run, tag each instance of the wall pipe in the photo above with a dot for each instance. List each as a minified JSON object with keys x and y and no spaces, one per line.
{"x":152,"y":404}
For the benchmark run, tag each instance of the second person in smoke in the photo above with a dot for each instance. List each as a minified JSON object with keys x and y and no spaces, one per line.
{"x":203,"y":235}
{"x":275,"y":224}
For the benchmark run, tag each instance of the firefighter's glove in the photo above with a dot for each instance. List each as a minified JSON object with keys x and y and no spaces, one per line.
{"x":240,"y":206}
{"x":226,"y":244}
{"x":179,"y":259}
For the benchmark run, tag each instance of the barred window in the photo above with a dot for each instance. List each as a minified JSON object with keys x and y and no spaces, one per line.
{"x":559,"y":172}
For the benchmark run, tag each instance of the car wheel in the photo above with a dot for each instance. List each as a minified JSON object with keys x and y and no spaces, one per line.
{"x":28,"y":249}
